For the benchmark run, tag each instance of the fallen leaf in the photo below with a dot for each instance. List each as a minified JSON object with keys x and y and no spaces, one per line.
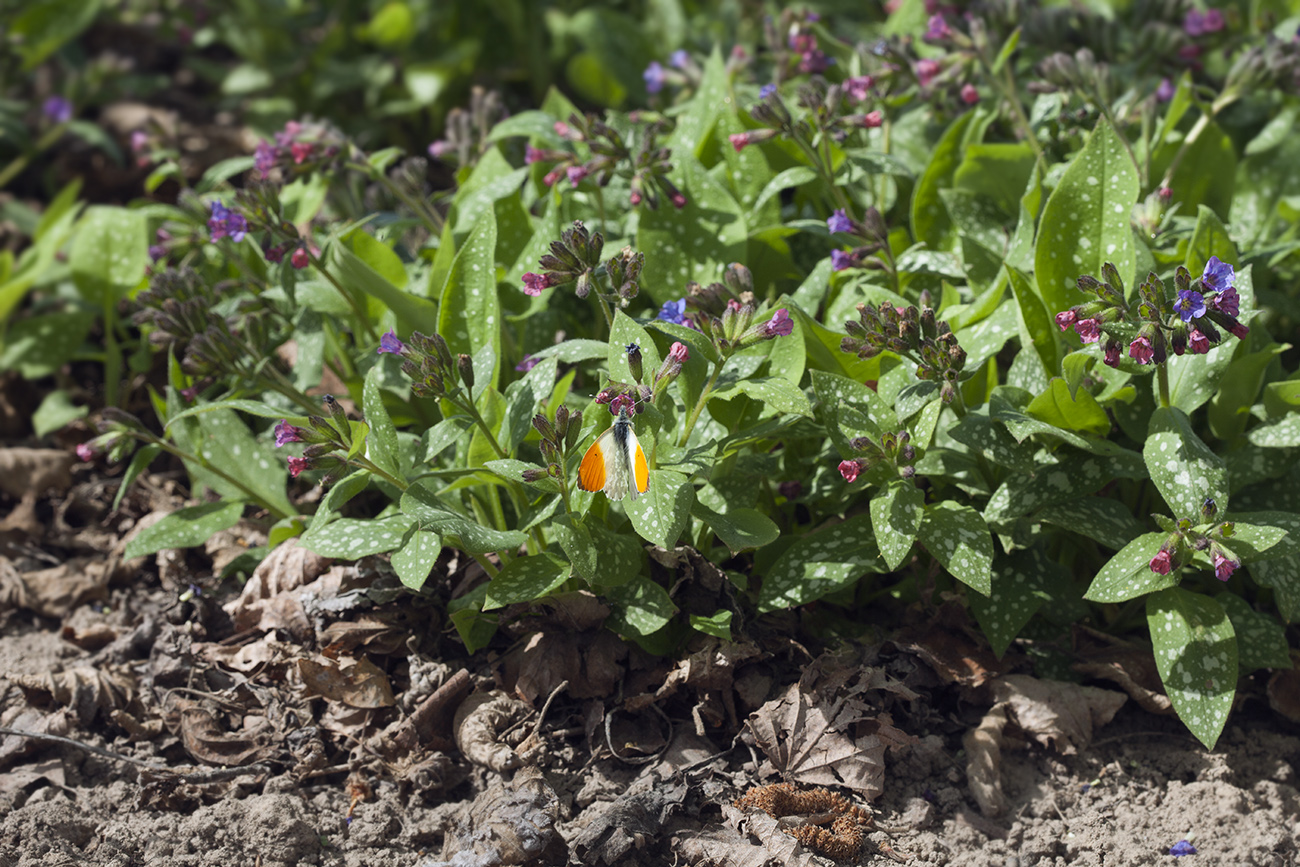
{"x":207,"y":740}
{"x":508,"y":824}
{"x":1284,"y":693}
{"x":607,"y":831}
{"x":25,"y":471}
{"x":480,"y":719}
{"x":1129,"y":665}
{"x":983,"y":746}
{"x":287,"y":568}
{"x":86,"y":690}
{"x":55,"y":592}
{"x":355,"y":682}
{"x":1056,"y":713}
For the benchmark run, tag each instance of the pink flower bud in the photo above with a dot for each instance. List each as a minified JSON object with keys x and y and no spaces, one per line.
{"x":1163,"y":562}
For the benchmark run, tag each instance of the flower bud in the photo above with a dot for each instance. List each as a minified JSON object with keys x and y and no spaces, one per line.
{"x":340,"y":417}
{"x":544,"y":427}
{"x":634,"y":361}
{"x":465,"y":367}
{"x":738,"y":278}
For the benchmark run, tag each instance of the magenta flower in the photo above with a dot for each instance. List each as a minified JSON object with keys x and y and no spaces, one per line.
{"x":286,"y":433}
{"x":301,"y":151}
{"x":575,"y":174}
{"x":780,"y":325}
{"x":439,"y":149}
{"x":1224,"y":567}
{"x":297,"y":465}
{"x":1227,"y":302}
{"x":1239,"y":331}
{"x":533,"y":155}
{"x":1198,"y":342}
{"x":299,"y":259}
{"x":839,"y":222}
{"x":1163,"y":562}
{"x":938,"y":30}
{"x":679,"y":353}
{"x":263,"y":157}
{"x":871,"y":119}
{"x":85,"y":451}
{"x":739,"y":140}
{"x":1112,"y":353}
{"x":1088,"y":330}
{"x":678,"y":199}
{"x":926,"y":70}
{"x":859,"y":87}
{"x":1066,"y":318}
{"x":969,"y":94}
{"x":1140,"y":350}
{"x":1199,"y":23}
{"x":390,"y":344}
{"x":850,"y":470}
{"x":620,"y":403}
{"x":290,"y":132}
{"x":535,"y":283}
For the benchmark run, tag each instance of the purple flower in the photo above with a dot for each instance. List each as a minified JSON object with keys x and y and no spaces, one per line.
{"x":839,"y":222}
{"x":1227,"y":302}
{"x":680,"y":59}
{"x":1066,"y":318}
{"x":287,"y":433}
{"x":1112,"y":353}
{"x":780,"y":325}
{"x":1088,"y":330}
{"x":673,"y":311}
{"x":533,"y":155}
{"x":57,"y":109}
{"x":575,"y":174}
{"x":859,"y":87}
{"x":1165,"y":91}
{"x":1224,"y":567}
{"x":527,"y":364}
{"x":654,"y":77}
{"x":938,"y":30}
{"x":1199,"y":343}
{"x":1199,"y":23}
{"x":1217,"y":276}
{"x":286,"y":137}
{"x":840,"y":260}
{"x":766,"y":91}
{"x":390,"y":344}
{"x":1140,"y":350}
{"x":225,"y":223}
{"x":1181,"y":848}
{"x":1190,"y":305}
{"x":264,"y":157}
{"x":1163,"y":562}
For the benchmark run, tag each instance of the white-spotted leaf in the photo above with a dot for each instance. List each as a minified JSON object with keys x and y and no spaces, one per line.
{"x":1183,"y":468}
{"x":820,"y":563}
{"x":896,"y":512}
{"x":1196,"y":654}
{"x":352,"y":539}
{"x":1128,"y":574}
{"x":524,"y":579}
{"x":185,"y":528}
{"x":660,"y":514}
{"x":959,"y":539}
{"x":414,"y":561}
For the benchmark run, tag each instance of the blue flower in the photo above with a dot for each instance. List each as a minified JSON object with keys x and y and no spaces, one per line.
{"x":839,"y":222}
{"x":390,"y":344}
{"x":1190,"y":305}
{"x":1182,"y":847}
{"x":766,"y":91}
{"x":674,"y":312}
{"x":1218,"y":275}
{"x":57,"y":109}
{"x":680,"y":58}
{"x":840,"y":260}
{"x":654,"y":77}
{"x":225,"y":223}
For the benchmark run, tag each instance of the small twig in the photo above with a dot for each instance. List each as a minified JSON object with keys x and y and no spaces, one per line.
{"x":537,"y":728}
{"x":638,"y":760}
{"x":207,"y":775}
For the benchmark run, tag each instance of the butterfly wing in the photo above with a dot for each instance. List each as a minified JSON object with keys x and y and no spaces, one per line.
{"x":640,"y":469}
{"x":595,"y":469}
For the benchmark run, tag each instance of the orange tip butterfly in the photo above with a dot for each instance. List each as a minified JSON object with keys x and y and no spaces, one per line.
{"x":615,"y":463}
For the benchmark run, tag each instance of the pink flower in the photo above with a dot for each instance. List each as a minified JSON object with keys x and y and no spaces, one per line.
{"x":1223,"y":567}
{"x":533,"y":155}
{"x":969,"y":94}
{"x":678,"y":200}
{"x":679,"y":353}
{"x":552,"y":176}
{"x":85,"y":451}
{"x":297,"y":465}
{"x":1227,"y":302}
{"x":287,"y":433}
{"x":859,"y":87}
{"x":535,"y":283}
{"x":850,"y":470}
{"x":301,"y":150}
{"x":1140,"y":350}
{"x":1163,"y":562}
{"x":1065,"y":319}
{"x":872,"y":119}
{"x":1239,"y":331}
{"x":299,"y":259}
{"x":780,"y":325}
{"x":926,"y":70}
{"x":1199,"y":343}
{"x":621,"y":403}
{"x":576,"y":174}
{"x":635,"y":198}
{"x":1112,"y":353}
{"x":739,"y":140}
{"x":1087,"y":330}
{"x":938,"y":29}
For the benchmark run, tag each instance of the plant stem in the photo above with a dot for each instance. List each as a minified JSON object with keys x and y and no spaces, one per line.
{"x":178,"y":452}
{"x":1005,"y":84}
{"x":367,"y":464}
{"x":357,"y":310}
{"x":471,"y":410}
{"x":1162,"y":379}
{"x":112,"y":355}
{"x":699,"y":405}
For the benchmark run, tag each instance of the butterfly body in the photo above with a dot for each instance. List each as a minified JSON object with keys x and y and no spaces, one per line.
{"x":615,"y":462}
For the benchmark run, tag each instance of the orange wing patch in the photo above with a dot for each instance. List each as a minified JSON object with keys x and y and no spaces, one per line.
{"x":640,"y":470}
{"x":591,"y":472}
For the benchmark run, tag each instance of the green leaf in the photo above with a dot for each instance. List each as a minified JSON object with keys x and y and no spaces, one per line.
{"x":39,"y":345}
{"x":222,"y":440}
{"x":530,"y":124}
{"x":624,"y":333}
{"x":109,"y":253}
{"x":1183,"y":468}
{"x":1036,"y":326}
{"x":1107,"y":522}
{"x":469,"y":316}
{"x":1017,"y":594}
{"x":381,"y":441}
{"x":1261,"y":640}
{"x":739,"y":529}
{"x":1283,"y":433}
{"x":1128,"y":574}
{"x":930,"y":222}
{"x":1079,"y":413}
{"x":55,"y":411}
{"x":1004,"y":54}
{"x":776,"y":392}
{"x":185,"y":528}
{"x":436,"y":439}
{"x":796,"y":176}
{"x":1086,"y":221}
{"x":641,"y":607}
{"x":1196,"y":654}
{"x":46,"y":26}
{"x":718,"y":624}
{"x":414,"y":562}
{"x":896,"y":513}
{"x":820,"y":563}
{"x":990,"y":439}
{"x":525,"y":579}
{"x":660,"y":514}
{"x":1283,"y":575}
{"x":421,"y":503}
{"x":603,"y":559}
{"x":352,"y":539}
{"x":957,"y":537}
{"x":1206,"y":173}
{"x":696,"y":121}
{"x":413,"y":312}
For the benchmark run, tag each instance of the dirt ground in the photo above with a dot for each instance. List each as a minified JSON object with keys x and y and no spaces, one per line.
{"x":318,"y":714}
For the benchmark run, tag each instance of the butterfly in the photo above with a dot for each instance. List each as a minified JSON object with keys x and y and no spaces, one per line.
{"x":615,"y":463}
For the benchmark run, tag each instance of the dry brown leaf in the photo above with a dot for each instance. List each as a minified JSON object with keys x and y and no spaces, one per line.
{"x":606,"y":831}
{"x":774,"y":844}
{"x":84,"y":689}
{"x":480,"y":719}
{"x":265,"y":652}
{"x":56,"y":591}
{"x":953,"y":655}
{"x":509,"y":824}
{"x":984,"y":762}
{"x":287,"y":568}
{"x":1284,"y":693}
{"x":592,"y":663}
{"x":207,"y":740}
{"x":1130,"y":666}
{"x":28,"y":719}
{"x":25,"y":471}
{"x":808,"y":742}
{"x":1056,"y":713}
{"x":357,"y":683}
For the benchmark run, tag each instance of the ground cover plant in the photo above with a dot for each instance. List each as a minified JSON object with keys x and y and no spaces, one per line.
{"x":981,"y":307}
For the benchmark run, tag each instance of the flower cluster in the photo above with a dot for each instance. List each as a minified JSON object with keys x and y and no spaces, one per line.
{"x":724,"y":312}
{"x":1177,"y":549}
{"x":642,"y":161}
{"x":558,"y":439}
{"x":894,"y":450}
{"x":912,"y":333}
{"x":467,"y":134}
{"x":827,"y":112}
{"x":299,"y":148}
{"x":1189,"y":321}
{"x":430,"y":365}
{"x":576,"y":258}
{"x":323,"y":438}
{"x":870,"y":231}
{"x":227,"y":223}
